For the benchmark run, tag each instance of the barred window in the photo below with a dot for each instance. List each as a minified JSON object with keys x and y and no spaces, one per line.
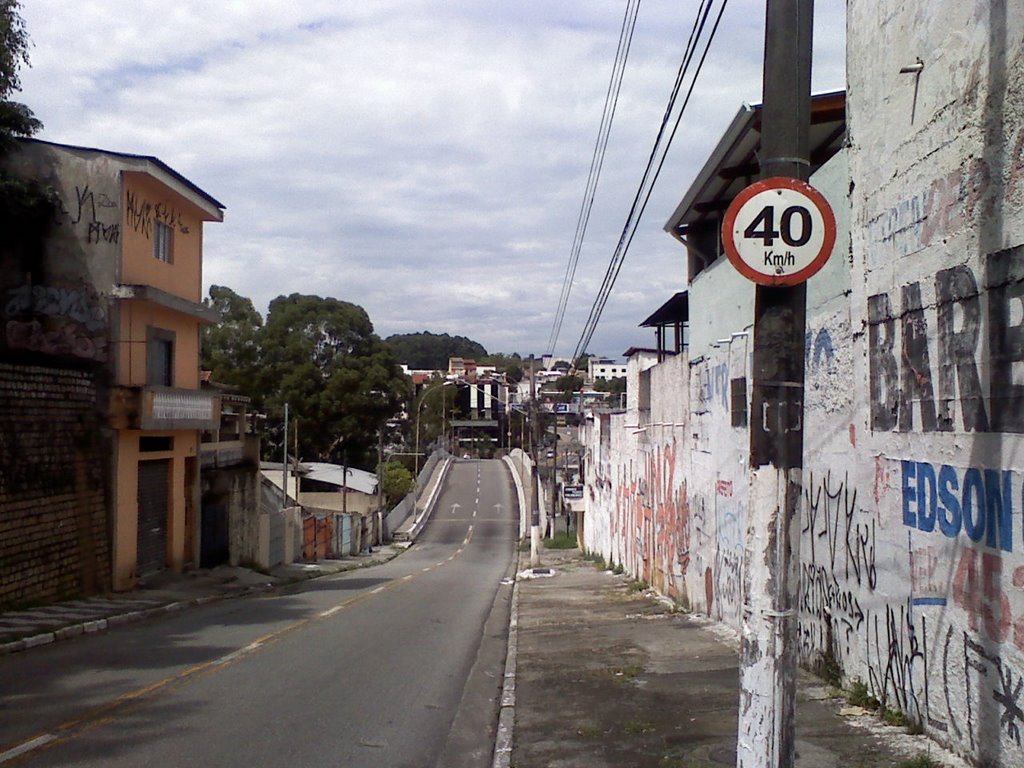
{"x":162,"y":241}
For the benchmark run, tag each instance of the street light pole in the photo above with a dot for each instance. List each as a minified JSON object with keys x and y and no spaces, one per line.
{"x":419,"y":411}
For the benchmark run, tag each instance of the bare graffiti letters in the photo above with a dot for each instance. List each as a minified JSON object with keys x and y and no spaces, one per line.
{"x":975,"y":332}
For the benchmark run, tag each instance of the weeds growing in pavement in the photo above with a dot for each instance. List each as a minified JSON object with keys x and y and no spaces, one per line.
{"x":588,"y":731}
{"x":561,"y":541}
{"x":638,"y":585}
{"x":860,"y":696}
{"x":920,"y":761}
{"x":638,"y":727}
{"x":827,"y":667}
{"x":894,"y":717}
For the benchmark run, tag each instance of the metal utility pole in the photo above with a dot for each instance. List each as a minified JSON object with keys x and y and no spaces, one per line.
{"x":380,"y":486}
{"x":284,"y":462}
{"x":771,"y":568}
{"x":534,"y":477}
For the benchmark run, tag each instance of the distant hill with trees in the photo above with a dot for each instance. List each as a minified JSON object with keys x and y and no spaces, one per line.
{"x":430,"y":351}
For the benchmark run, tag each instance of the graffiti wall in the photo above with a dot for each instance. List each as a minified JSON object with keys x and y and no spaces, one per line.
{"x":935,"y":535}
{"x":637,"y":503}
{"x":50,"y":299}
{"x":912,"y":519}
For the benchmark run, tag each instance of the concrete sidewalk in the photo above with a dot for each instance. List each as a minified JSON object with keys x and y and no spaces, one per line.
{"x":164,"y":593}
{"x":606,"y":675}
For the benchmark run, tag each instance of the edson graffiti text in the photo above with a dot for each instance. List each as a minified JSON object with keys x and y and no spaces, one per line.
{"x":948,"y":499}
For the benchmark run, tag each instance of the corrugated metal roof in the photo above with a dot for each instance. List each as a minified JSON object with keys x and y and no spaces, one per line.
{"x":357,"y":480}
{"x":734,"y":163}
{"x":675,"y":310}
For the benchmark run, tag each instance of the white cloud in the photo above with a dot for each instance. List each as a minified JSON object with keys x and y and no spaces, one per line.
{"x":424,"y":160}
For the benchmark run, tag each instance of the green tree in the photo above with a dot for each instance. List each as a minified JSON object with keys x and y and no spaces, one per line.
{"x":614,"y":387}
{"x":26,"y":207}
{"x":342,"y":383}
{"x":231,"y":350}
{"x":568,"y":385}
{"x":396,"y":482}
{"x":15,"y":118}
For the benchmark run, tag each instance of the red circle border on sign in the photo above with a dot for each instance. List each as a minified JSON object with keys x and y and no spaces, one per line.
{"x":777,"y":182}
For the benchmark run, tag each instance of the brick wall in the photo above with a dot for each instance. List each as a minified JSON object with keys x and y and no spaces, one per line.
{"x":54,"y":540}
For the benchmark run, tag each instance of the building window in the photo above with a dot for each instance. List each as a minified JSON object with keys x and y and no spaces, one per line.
{"x":162,"y":237}
{"x":160,"y":358}
{"x":738,"y":392}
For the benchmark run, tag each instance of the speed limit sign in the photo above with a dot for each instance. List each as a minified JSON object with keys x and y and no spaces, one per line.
{"x":779,"y":231}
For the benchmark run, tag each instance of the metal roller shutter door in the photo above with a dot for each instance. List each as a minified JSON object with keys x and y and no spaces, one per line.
{"x":153,"y":497}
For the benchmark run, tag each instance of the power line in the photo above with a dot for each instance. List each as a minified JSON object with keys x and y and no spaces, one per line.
{"x":596,"y":164}
{"x":648,"y":179}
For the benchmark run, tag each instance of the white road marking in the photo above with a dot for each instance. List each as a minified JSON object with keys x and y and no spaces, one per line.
{"x":28,"y":746}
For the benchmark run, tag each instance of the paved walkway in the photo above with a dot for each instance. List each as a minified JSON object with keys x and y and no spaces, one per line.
{"x":606,"y":675}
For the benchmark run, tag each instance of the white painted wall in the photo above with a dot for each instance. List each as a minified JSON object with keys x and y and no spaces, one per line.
{"x":913,"y":518}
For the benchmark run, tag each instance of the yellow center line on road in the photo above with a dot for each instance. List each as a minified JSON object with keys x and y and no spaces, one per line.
{"x":126,"y":702}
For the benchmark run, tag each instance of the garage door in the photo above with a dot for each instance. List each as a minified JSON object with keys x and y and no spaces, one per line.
{"x":153,"y":498}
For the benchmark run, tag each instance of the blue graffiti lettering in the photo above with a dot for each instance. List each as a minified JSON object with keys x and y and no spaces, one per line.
{"x":977,"y":501}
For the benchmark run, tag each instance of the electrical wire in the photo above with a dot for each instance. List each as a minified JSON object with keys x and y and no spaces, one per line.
{"x":596,"y":164}
{"x":648,"y":179}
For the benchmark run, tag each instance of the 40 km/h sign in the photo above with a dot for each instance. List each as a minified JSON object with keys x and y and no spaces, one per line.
{"x":779,"y":231}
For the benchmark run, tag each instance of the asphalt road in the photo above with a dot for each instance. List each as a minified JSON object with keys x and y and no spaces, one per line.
{"x":370,"y":668}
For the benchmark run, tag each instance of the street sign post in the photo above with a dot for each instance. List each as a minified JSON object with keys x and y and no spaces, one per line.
{"x":779,"y":231}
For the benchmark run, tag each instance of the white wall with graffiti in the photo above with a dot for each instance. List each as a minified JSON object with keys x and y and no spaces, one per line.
{"x":635,"y":480}
{"x":912,"y":523}
{"x":50,"y":302}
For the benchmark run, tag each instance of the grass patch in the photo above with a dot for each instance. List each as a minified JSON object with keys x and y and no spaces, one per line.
{"x":638,"y":727}
{"x":618,"y":570}
{"x":638,"y":585}
{"x":561,"y":541}
{"x":920,"y":761}
{"x":860,"y":696}
{"x":894,"y":717}
{"x":827,"y":667}
{"x":596,"y":559}
{"x":588,"y":731}
{"x":626,"y":674}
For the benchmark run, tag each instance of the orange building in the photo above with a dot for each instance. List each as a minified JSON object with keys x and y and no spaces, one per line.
{"x":117,"y":294}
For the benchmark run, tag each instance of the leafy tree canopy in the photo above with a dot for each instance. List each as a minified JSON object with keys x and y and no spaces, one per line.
{"x":26,"y":207}
{"x":231,"y":350}
{"x":569,"y":383}
{"x":319,"y":355}
{"x":430,"y":351}
{"x":396,"y":482}
{"x":615,"y":386}
{"x":342,"y":382}
{"x":15,"y":119}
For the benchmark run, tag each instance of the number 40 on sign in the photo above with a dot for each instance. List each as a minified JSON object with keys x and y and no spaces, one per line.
{"x":779,"y":231}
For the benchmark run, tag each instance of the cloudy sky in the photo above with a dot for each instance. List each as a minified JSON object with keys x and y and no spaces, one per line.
{"x":423,"y":159}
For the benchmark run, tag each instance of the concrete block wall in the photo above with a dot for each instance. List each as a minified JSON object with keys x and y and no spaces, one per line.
{"x":54,"y":537}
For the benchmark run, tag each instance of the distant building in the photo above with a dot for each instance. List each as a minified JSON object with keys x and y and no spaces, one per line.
{"x":604,"y":369}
